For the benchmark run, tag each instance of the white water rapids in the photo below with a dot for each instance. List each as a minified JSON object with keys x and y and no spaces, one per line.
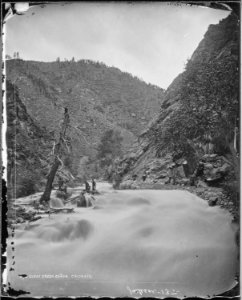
{"x":134,"y":243}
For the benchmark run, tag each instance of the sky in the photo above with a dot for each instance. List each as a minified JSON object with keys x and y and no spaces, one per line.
{"x":149,"y":40}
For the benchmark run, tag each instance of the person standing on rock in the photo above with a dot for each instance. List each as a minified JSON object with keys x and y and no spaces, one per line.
{"x":93,"y":185}
{"x":171,"y":174}
{"x":87,"y":186}
{"x":60,"y":183}
{"x":116,"y":180}
{"x":145,"y":175}
{"x":185,"y":168}
{"x":64,"y":187}
{"x":174,"y":171}
{"x":200,"y":170}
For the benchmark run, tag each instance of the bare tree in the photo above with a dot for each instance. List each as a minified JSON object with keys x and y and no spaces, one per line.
{"x":58,"y":151}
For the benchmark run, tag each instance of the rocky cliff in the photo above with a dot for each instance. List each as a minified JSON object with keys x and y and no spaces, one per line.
{"x":198,"y":120}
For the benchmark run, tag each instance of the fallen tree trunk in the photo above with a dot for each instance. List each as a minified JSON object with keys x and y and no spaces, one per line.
{"x":57,"y":210}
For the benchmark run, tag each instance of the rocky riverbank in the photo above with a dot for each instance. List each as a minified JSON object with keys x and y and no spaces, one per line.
{"x":212,"y":179}
{"x":213,"y":195}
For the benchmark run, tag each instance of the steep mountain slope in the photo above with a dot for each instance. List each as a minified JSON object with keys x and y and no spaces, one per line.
{"x":98,"y":98}
{"x":200,"y":112}
{"x":93,"y":91}
{"x":28,"y":148}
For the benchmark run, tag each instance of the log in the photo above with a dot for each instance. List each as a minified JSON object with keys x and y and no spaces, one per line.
{"x":19,"y":204}
{"x":61,"y":209}
{"x":35,"y":219}
{"x":72,"y":199}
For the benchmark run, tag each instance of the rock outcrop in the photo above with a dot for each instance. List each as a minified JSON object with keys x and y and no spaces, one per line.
{"x":196,"y":132}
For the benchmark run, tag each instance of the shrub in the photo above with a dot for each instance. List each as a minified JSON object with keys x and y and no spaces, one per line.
{"x":26,"y":187}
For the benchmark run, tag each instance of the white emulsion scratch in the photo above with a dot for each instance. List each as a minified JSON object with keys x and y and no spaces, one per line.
{"x":4,"y":112}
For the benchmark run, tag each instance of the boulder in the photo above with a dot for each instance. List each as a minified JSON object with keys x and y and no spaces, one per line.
{"x":200,"y":190}
{"x":215,"y":167}
{"x":158,"y":164}
{"x":224,"y":169}
{"x":181,"y":161}
{"x":134,"y":186}
{"x":213,"y":201}
{"x":185,"y":181}
{"x":81,"y":203}
{"x":90,"y":200}
{"x":209,"y":157}
{"x":215,"y":174}
{"x":158,"y":185}
{"x":61,"y":194}
{"x":208,"y":166}
{"x":180,"y":172}
{"x":126,"y":184}
{"x":161,"y":175}
{"x":19,"y":220}
{"x":201,"y":183}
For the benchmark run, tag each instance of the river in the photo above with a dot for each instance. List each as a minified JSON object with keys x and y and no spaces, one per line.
{"x":133,"y":243}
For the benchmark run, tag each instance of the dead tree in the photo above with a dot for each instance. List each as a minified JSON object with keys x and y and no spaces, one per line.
{"x":58,"y":151}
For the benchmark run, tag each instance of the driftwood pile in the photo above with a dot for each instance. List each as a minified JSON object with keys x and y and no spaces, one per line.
{"x":31,"y":212}
{"x":22,"y":214}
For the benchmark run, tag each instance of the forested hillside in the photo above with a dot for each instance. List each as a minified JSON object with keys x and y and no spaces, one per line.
{"x":98,"y":98}
{"x":91,"y":90}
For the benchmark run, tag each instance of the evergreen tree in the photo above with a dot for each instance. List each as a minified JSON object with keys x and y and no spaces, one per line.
{"x":109,"y":147}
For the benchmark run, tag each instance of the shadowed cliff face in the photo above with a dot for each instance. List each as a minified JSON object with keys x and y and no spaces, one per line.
{"x":28,"y":147}
{"x":200,"y":110}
